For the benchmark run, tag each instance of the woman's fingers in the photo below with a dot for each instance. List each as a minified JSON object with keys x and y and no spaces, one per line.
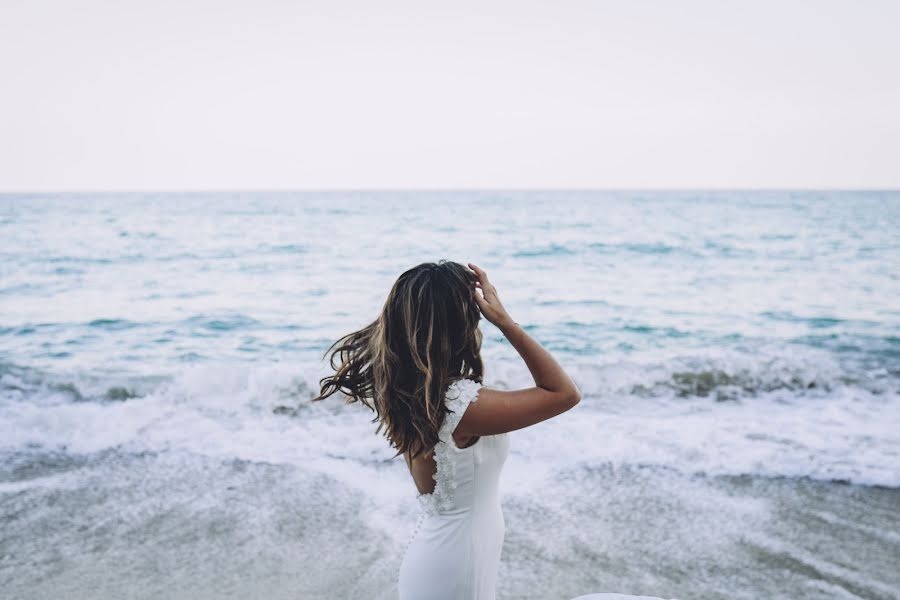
{"x":488,"y":290}
{"x":483,"y":304}
{"x":488,"y":300}
{"x":482,"y":276}
{"x":477,"y":274}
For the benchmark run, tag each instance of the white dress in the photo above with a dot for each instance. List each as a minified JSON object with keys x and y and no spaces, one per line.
{"x":454,"y":552}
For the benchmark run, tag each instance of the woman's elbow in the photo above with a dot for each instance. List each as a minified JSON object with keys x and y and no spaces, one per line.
{"x":573,"y":397}
{"x":564,"y":400}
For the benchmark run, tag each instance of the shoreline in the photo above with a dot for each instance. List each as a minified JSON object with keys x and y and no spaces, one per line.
{"x":186,"y":526}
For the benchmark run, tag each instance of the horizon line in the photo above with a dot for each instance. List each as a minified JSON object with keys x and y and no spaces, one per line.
{"x":283,"y":190}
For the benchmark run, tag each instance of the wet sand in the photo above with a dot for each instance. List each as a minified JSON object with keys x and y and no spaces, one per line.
{"x":183,"y":526}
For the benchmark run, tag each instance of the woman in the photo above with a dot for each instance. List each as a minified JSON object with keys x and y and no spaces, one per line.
{"x":418,"y":367}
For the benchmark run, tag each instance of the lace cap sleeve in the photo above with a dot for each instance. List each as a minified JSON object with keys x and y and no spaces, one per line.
{"x":459,"y":394}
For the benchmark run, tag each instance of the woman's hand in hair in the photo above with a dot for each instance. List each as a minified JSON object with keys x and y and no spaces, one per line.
{"x":499,"y":411}
{"x":488,"y":300}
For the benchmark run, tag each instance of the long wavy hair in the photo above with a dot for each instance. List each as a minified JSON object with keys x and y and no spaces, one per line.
{"x":400,"y":365}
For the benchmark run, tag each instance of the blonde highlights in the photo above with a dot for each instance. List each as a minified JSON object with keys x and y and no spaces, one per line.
{"x":400,"y":365}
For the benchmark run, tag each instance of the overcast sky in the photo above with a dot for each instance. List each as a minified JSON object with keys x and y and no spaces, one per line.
{"x":266,"y":94}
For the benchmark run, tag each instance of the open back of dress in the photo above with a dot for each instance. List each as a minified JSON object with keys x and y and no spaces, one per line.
{"x":454,"y":553}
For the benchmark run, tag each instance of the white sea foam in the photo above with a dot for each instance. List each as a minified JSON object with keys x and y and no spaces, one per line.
{"x":263,"y":414}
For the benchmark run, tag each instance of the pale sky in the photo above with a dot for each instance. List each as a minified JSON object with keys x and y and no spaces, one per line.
{"x":266,"y":94}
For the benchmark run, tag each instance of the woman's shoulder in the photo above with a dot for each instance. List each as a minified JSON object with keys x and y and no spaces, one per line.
{"x":462,"y":391}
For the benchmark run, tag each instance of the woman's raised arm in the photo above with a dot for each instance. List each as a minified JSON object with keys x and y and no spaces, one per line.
{"x":499,"y":411}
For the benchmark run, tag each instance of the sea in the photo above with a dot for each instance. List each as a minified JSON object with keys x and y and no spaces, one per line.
{"x":738,"y":354}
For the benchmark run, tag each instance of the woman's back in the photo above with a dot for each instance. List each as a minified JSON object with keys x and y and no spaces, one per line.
{"x":454,"y":552}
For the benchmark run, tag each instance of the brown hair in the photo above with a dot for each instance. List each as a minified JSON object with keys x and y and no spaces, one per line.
{"x":400,"y":365}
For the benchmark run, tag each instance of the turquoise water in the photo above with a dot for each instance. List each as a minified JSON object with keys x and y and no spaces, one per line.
{"x":713,"y":334}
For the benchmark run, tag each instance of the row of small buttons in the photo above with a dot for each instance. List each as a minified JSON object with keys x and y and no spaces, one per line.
{"x":412,"y":537}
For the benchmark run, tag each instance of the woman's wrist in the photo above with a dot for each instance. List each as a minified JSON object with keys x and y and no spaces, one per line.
{"x":507,"y":325}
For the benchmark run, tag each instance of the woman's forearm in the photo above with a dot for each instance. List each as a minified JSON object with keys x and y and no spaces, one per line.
{"x":545,"y":370}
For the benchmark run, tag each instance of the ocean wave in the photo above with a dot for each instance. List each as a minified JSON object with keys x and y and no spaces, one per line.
{"x":782,"y":427}
{"x":25,"y":384}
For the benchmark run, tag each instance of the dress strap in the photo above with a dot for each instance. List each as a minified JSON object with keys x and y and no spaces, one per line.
{"x":457,"y":398}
